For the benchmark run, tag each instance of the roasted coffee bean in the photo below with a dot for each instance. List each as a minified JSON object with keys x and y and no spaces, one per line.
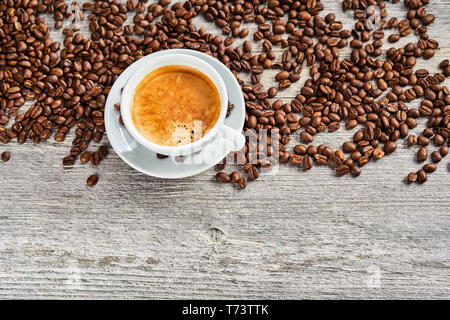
{"x":349,"y":147}
{"x":436,"y":156}
{"x":355,"y":170}
{"x":307,"y":163}
{"x":429,"y":167}
{"x":306,"y":137}
{"x":85,"y":157}
{"x":378,"y":153}
{"x":412,"y":177}
{"x":223,"y":177}
{"x":412,"y":140}
{"x":235,"y":176}
{"x":390,"y":147}
{"x":102,"y":152}
{"x":68,"y":161}
{"x":421,"y":176}
{"x":342,"y":170}
{"x":300,"y":149}
{"x":242,"y":183}
{"x":92,"y":180}
{"x":438,"y":140}
{"x":334,"y":161}
{"x":253,"y":173}
{"x":295,"y":159}
{"x":422,"y":154}
{"x":443,"y":151}
{"x":6,"y":156}
{"x":95,"y":158}
{"x":423,"y":141}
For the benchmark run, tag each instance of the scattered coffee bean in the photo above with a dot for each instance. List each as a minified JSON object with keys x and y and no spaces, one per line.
{"x":68,"y":161}
{"x":429,"y":167}
{"x":85,"y":157}
{"x":6,"y":156}
{"x":242,"y":183}
{"x":443,"y":151}
{"x":422,"y":154}
{"x":355,"y":170}
{"x":412,"y":177}
{"x":342,"y":170}
{"x":436,"y":156}
{"x":253,"y":173}
{"x":421,"y":176}
{"x":222,"y":177}
{"x":390,"y":147}
{"x":235,"y":176}
{"x":412,"y":140}
{"x":92,"y":180}
{"x":307,"y":163}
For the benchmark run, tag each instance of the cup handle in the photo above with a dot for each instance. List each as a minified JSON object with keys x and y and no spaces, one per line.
{"x":226,"y":141}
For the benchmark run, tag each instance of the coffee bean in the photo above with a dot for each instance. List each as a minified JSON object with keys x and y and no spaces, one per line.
{"x":320,"y":158}
{"x":355,"y":170}
{"x":300,"y":149}
{"x":253,"y":173}
{"x":95,"y":158}
{"x":412,"y":177}
{"x":429,"y":167}
{"x":307,"y":163}
{"x":438,"y":140}
{"x":349,"y":147}
{"x":342,"y":170}
{"x":378,"y":153}
{"x":393,"y":38}
{"x":242,"y":183}
{"x":334,"y":161}
{"x":223,"y":177}
{"x":102,"y":152}
{"x":443,"y":151}
{"x":423,"y":141}
{"x":92,"y":180}
{"x":421,"y":176}
{"x":422,"y":154}
{"x":295,"y":159}
{"x":412,"y":140}
{"x":390,"y":147}
{"x":436,"y":156}
{"x":311,"y":150}
{"x":6,"y":156}
{"x":306,"y":137}
{"x":68,"y":161}
{"x":85,"y":157}
{"x":235,"y":176}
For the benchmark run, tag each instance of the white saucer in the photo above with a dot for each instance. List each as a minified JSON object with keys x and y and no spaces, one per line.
{"x":146,"y":161}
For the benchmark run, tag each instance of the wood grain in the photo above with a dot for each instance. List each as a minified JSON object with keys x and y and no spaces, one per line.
{"x":291,"y":234}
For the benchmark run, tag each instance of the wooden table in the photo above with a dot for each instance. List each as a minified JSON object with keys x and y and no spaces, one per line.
{"x":292,"y":234}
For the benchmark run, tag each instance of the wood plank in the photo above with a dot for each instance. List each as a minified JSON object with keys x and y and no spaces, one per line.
{"x":291,"y":234}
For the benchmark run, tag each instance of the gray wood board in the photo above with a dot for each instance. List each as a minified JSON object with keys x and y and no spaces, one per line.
{"x":291,"y":234}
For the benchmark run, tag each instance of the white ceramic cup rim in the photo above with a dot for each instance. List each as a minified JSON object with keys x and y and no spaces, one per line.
{"x":154,"y":64}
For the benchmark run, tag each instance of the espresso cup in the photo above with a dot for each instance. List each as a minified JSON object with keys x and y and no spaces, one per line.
{"x":219,"y":139}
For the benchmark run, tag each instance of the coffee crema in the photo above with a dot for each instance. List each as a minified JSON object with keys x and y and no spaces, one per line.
{"x":175,"y":105}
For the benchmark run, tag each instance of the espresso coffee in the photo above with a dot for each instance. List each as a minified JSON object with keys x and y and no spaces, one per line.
{"x":175,"y":105}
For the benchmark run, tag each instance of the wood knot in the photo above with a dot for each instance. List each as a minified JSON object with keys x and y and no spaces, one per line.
{"x":215,"y":235}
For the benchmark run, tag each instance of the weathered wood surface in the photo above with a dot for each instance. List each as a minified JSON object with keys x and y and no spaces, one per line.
{"x":289,"y":235}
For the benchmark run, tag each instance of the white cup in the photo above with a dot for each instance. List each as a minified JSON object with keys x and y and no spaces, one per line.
{"x":220,"y":138}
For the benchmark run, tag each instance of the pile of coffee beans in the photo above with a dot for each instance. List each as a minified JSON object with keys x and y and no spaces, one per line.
{"x":68,"y":84}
